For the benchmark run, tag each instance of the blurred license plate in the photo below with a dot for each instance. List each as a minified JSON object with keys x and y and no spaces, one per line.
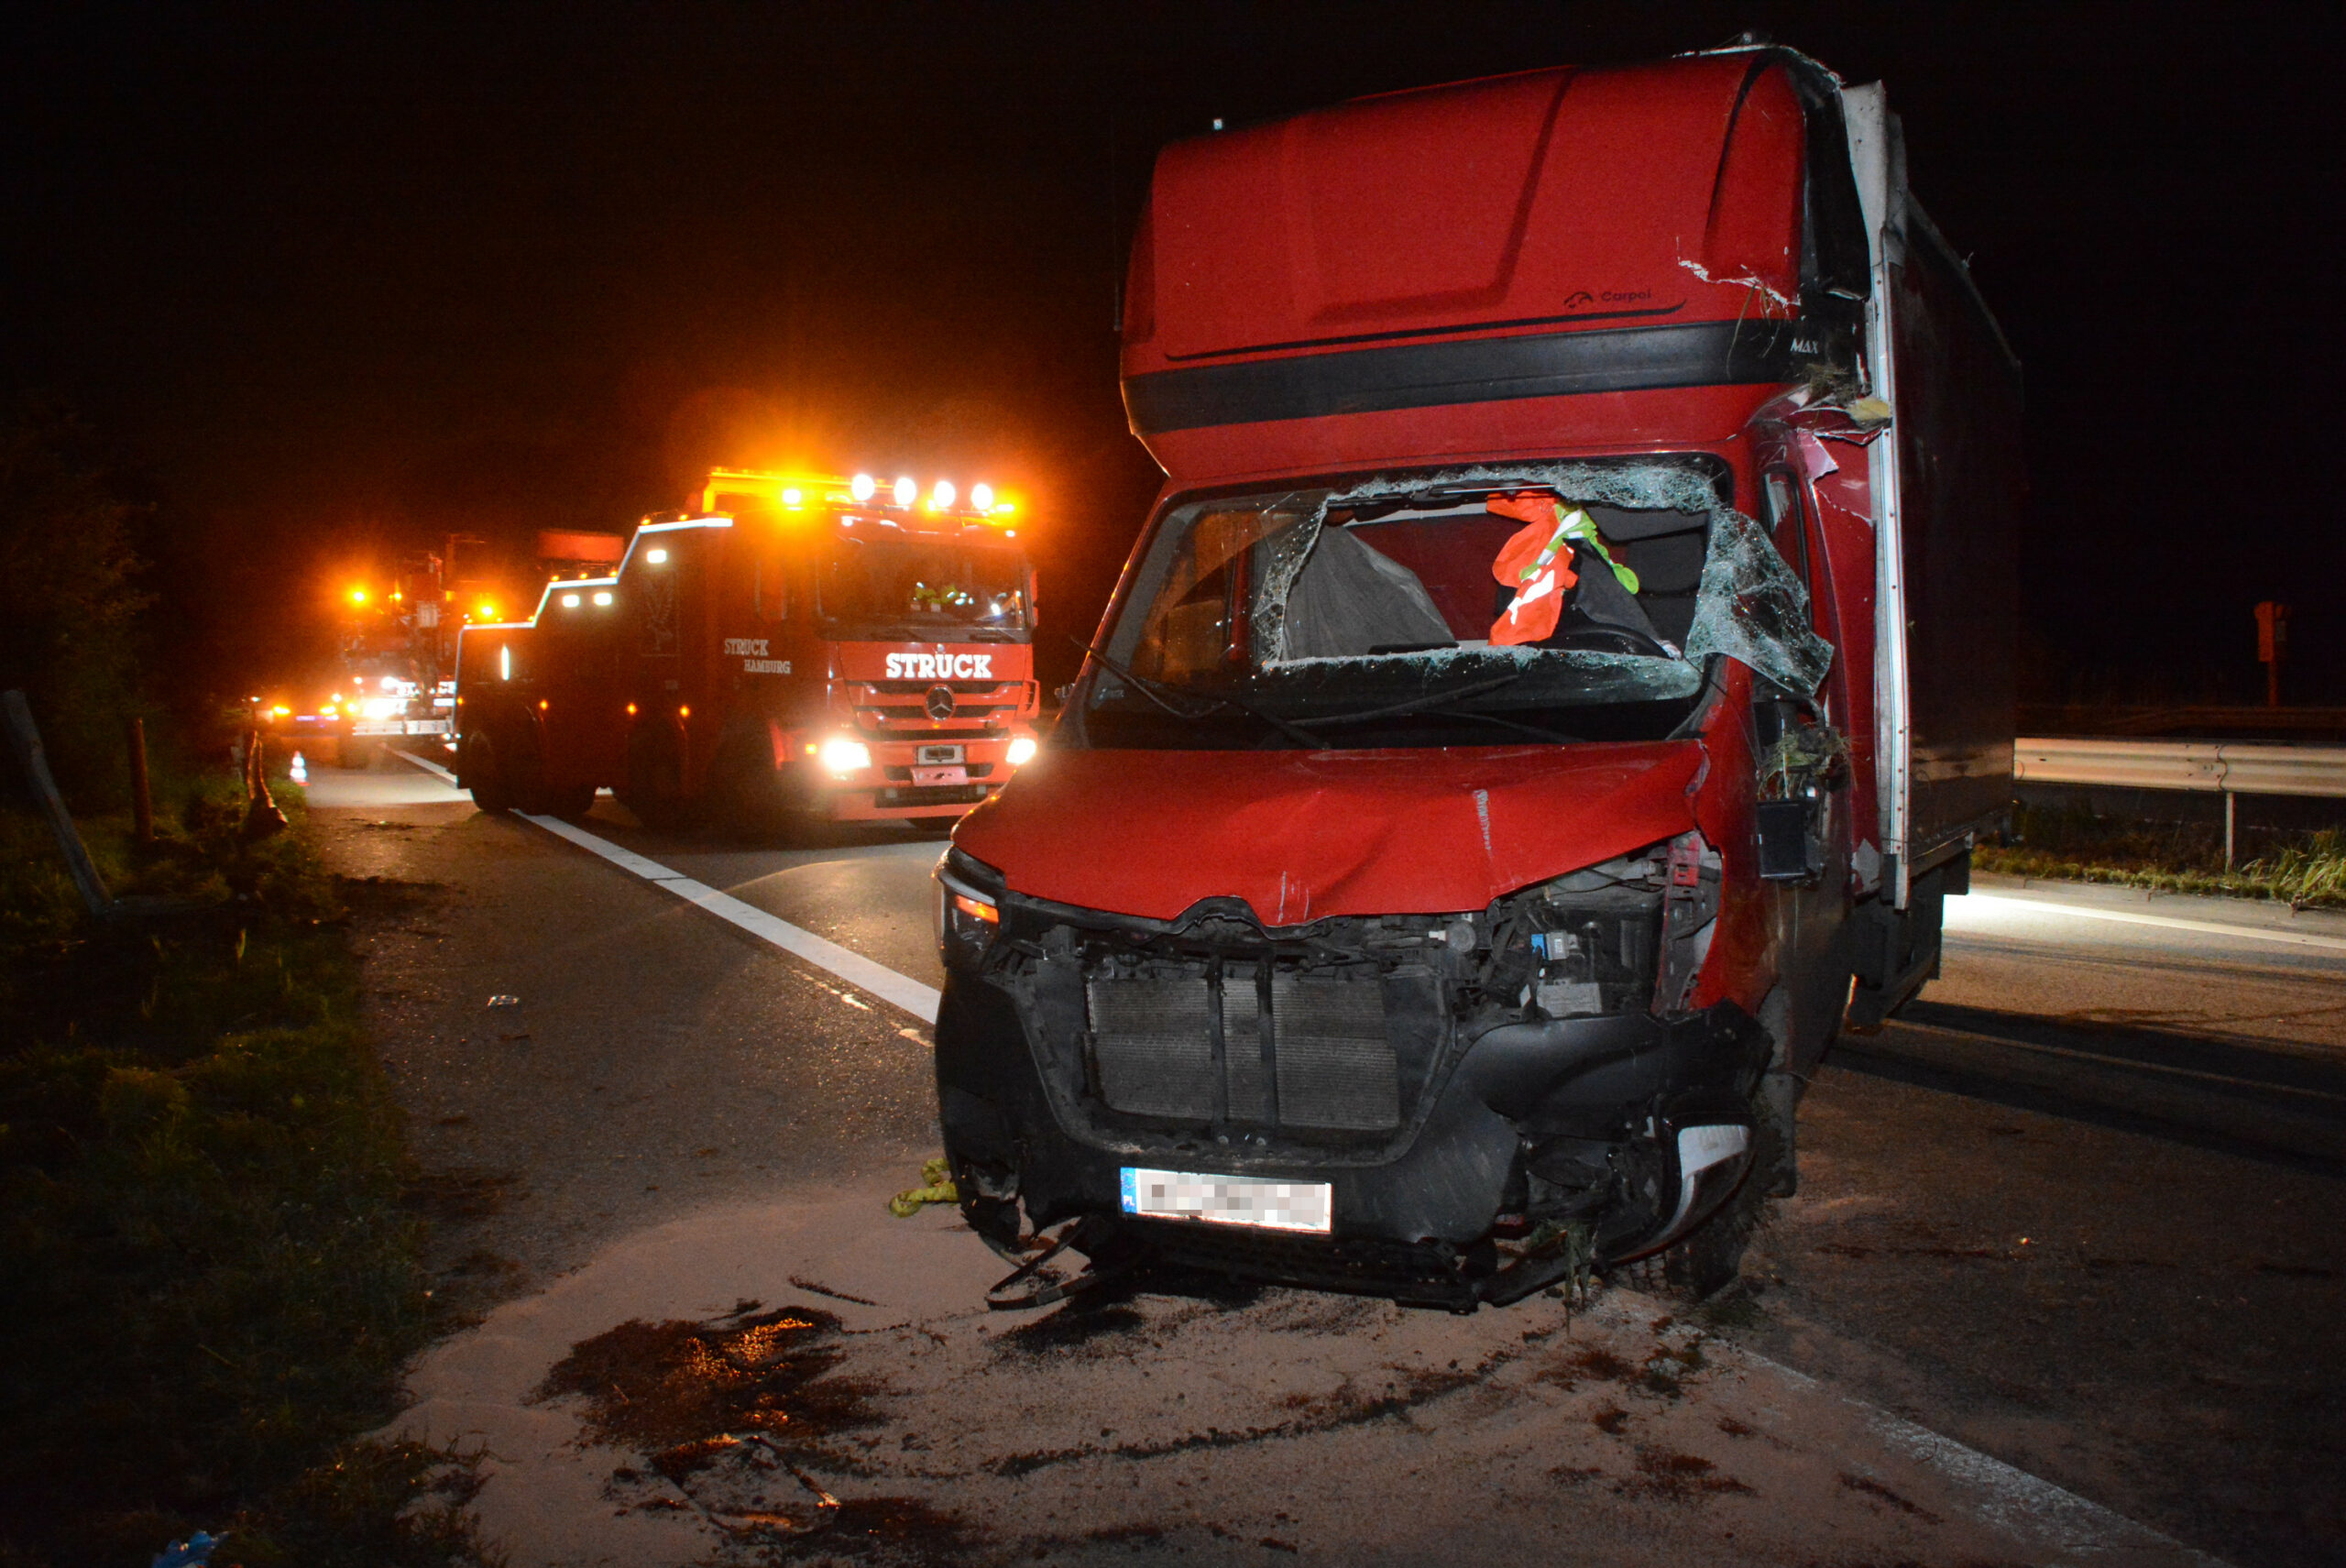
{"x":1229,"y":1200}
{"x":940,"y":776}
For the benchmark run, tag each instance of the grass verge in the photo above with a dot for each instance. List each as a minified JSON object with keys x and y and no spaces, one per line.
{"x":212,"y":1279}
{"x":2304,"y":869}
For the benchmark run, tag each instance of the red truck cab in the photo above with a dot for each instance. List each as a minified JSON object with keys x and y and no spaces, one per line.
{"x":796,"y":644}
{"x":1563,"y":673}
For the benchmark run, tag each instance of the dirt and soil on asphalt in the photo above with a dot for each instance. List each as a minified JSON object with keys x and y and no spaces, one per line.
{"x":661,"y":1170}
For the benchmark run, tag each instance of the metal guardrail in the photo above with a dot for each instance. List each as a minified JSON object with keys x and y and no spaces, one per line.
{"x":2211,"y":766}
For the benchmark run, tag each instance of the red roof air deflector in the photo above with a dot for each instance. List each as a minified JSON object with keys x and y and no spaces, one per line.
{"x":1565,"y":193}
{"x":1455,"y":245}
{"x":1299,"y":835}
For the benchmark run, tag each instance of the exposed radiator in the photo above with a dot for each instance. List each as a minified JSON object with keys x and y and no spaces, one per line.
{"x":1321,"y":1058}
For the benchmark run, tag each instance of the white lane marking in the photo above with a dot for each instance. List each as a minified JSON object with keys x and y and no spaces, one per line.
{"x":2246,"y":933}
{"x":897,"y":989}
{"x":2009,"y":1498}
{"x":427,"y":767}
{"x":1973,"y":1037}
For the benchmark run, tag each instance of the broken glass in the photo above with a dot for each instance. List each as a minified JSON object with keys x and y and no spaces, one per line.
{"x":1373,"y":605}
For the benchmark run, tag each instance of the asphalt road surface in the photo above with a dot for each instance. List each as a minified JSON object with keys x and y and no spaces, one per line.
{"x":2063,"y":1281}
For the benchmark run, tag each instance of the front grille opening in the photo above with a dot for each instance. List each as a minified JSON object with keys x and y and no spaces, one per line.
{"x":1288,"y":1047}
{"x":939,"y":795}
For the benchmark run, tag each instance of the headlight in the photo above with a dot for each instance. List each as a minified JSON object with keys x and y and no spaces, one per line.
{"x":1022,"y":751}
{"x":968,"y":911}
{"x":382,"y":706}
{"x":841,"y":756}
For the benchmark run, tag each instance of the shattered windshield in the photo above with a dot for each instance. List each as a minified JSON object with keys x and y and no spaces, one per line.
{"x":1473,"y":607}
{"x":912,"y":590}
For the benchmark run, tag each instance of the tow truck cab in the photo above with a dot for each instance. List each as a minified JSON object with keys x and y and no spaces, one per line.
{"x":798,"y":643}
{"x":1351,"y":933}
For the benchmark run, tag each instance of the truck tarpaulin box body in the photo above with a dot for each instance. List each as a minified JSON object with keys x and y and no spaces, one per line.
{"x":796,"y":644}
{"x":1359,"y":929}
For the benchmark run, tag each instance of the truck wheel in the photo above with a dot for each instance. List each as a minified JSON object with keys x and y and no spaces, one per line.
{"x":1699,"y":1265}
{"x":655,"y":781}
{"x":484,"y":772}
{"x":746,"y":795}
{"x":571,"y":802}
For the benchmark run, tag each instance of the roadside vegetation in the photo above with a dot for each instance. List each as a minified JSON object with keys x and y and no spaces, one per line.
{"x":210,"y":1276}
{"x":2304,"y":869}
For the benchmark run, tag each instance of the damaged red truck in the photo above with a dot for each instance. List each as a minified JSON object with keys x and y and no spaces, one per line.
{"x":1367,"y":926}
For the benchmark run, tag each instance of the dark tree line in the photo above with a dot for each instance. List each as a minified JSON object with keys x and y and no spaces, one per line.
{"x":70,"y":598}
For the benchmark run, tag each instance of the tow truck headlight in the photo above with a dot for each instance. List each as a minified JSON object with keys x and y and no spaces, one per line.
{"x":981,"y":496}
{"x":969,"y":914}
{"x":907,"y":492}
{"x":863,"y":486}
{"x":1022,"y":751}
{"x":841,"y":756}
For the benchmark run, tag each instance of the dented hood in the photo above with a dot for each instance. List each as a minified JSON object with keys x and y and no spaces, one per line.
{"x":1301,"y":835}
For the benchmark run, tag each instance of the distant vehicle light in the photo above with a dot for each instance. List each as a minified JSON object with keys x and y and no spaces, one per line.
{"x":282,"y":712}
{"x":841,"y":756}
{"x":603,"y":596}
{"x":381,"y":707}
{"x":488,"y":612}
{"x":981,"y":496}
{"x":631,"y":711}
{"x":906,"y":491}
{"x":943,"y":494}
{"x":358,"y":596}
{"x":793,"y":496}
{"x":505,"y":663}
{"x":863,"y":486}
{"x":657,"y":557}
{"x":570,"y":601}
{"x":328,"y":711}
{"x":1022,"y":751}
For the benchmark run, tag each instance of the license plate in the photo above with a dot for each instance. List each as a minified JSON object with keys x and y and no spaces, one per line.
{"x":940,"y":776}
{"x":1229,"y":1200}
{"x":941,"y":754}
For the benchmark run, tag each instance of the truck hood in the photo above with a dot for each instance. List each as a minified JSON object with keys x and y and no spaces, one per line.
{"x":1303,"y":835}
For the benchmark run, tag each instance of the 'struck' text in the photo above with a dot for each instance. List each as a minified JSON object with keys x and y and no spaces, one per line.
{"x":798,"y":643}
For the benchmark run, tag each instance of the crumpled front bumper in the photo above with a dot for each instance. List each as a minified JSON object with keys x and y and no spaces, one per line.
{"x":1631,"y":1128}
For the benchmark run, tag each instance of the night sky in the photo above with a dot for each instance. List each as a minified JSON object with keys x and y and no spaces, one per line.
{"x":332,"y":281}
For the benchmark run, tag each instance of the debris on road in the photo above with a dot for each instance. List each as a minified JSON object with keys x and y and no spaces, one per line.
{"x":193,"y":1552}
{"x":938,"y":1187}
{"x":502,"y":1001}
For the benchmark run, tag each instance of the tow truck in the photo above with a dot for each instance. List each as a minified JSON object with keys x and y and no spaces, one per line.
{"x":792,"y":646}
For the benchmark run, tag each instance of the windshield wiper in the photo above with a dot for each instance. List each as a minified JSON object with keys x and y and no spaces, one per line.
{"x":1150,"y":689}
{"x":1415,"y":704}
{"x":1541,"y":730}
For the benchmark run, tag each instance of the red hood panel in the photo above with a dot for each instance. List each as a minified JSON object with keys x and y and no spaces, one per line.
{"x":1301,"y":836}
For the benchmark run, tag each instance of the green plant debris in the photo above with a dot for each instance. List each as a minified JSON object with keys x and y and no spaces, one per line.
{"x":936,"y":1178}
{"x":211,"y":1280}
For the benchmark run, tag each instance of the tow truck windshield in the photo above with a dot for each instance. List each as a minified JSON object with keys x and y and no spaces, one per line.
{"x":917,"y":590}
